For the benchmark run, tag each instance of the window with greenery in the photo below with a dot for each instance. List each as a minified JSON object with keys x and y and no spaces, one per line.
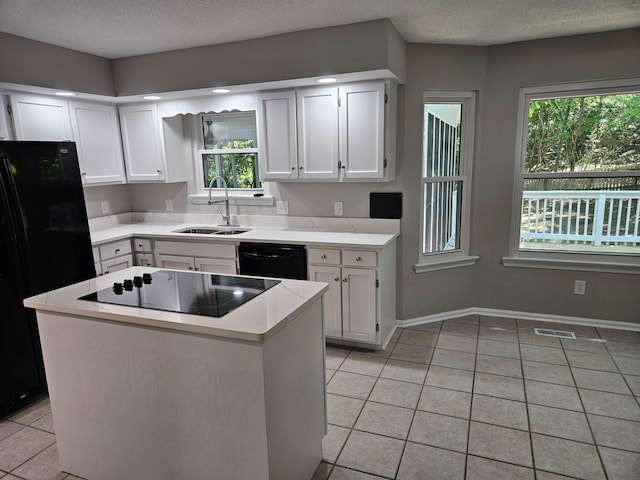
{"x":229,"y":148}
{"x":446,"y":168}
{"x":579,"y":174}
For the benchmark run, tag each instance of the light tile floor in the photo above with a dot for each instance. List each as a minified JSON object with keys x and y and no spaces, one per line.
{"x":477,"y":398}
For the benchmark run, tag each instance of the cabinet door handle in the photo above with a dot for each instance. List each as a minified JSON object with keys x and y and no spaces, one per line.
{"x":159,"y":172}
{"x":190,"y":268}
{"x":293,"y":169}
{"x":84,"y":173}
{"x":344,"y":280}
{"x":323,"y":256}
{"x":301,"y":168}
{"x":337,"y":279}
{"x":358,"y":259}
{"x":117,"y":250}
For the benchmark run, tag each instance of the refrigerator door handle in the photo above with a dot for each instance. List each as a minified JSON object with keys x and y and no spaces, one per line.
{"x":16,"y":229}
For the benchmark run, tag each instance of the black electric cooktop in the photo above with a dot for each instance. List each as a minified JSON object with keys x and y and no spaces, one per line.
{"x":183,"y":292}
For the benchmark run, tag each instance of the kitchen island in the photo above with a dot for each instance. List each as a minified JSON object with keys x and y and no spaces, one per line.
{"x":148,"y":394}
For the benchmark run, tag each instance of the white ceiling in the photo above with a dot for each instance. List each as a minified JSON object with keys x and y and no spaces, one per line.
{"x":122,"y":28}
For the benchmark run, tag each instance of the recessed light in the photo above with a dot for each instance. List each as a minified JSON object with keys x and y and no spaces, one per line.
{"x":151,"y":97}
{"x":66,"y":94}
{"x":220,"y":90}
{"x":327,"y":80}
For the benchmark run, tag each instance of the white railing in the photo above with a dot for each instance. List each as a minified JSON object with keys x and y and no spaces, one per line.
{"x":594,"y":217}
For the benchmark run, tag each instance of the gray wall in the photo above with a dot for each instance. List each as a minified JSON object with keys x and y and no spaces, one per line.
{"x":432,"y":67}
{"x":488,"y":283}
{"x":325,"y":51}
{"x":28,"y":62}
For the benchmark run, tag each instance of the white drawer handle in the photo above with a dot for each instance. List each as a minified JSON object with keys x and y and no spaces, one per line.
{"x":358,"y":259}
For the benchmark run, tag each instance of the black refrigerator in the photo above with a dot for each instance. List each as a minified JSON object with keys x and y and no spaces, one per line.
{"x":44,"y":245}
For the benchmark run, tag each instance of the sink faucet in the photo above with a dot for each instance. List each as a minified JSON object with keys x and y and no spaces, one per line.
{"x":225,"y":216}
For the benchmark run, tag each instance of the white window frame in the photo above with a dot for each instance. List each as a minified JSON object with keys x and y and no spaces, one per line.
{"x":237,"y":196}
{"x":599,"y":262}
{"x":460,"y":257}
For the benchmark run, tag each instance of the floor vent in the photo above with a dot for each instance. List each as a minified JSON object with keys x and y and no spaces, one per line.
{"x":554,"y":333}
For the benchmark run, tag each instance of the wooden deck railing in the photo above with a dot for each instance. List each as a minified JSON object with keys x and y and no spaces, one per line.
{"x":592,"y":217}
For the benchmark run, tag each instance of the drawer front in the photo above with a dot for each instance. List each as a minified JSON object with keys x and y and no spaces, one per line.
{"x":115,"y":264}
{"x":144,"y":259}
{"x":216,"y":250}
{"x":141,"y":245}
{"x":323,"y":256}
{"x":357,"y":258}
{"x":115,"y":249}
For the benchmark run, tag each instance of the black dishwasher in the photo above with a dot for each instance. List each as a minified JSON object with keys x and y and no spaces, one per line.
{"x":273,"y":260}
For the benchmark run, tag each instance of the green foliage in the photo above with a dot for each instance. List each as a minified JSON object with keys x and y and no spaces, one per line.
{"x":240,"y":170}
{"x":596,"y":133}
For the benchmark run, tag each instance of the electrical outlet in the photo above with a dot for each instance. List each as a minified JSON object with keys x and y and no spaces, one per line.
{"x":580,"y":287}
{"x":168,"y":205}
{"x":105,"y":208}
{"x":337,"y":209}
{"x":282,"y":207}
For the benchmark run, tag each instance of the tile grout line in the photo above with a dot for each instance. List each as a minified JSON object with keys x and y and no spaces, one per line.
{"x":473,"y":385}
{"x":526,"y":403}
{"x":595,"y":445}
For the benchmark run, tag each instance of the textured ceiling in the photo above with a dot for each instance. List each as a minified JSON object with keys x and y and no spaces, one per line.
{"x":122,"y":28}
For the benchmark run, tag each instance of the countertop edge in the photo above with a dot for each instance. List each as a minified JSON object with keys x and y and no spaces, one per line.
{"x":54,"y":302}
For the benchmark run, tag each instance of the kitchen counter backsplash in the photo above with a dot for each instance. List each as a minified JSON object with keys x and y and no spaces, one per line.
{"x":324,"y":224}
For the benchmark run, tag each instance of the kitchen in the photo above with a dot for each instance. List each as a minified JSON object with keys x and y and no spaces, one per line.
{"x":477,"y":287}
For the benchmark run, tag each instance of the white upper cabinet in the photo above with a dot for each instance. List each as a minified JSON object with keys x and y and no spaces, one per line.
{"x":142,"y":143}
{"x":93,"y":127}
{"x":96,"y":132}
{"x":40,"y":118}
{"x":344,"y":133}
{"x":5,"y":129}
{"x":155,"y":149}
{"x":317,"y":110}
{"x":362,"y":130}
{"x":277,"y":146}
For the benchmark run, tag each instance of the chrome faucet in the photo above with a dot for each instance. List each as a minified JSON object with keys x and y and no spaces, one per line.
{"x":225,"y":216}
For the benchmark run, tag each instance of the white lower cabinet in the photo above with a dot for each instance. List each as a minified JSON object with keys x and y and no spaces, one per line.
{"x":113,"y":256}
{"x":203,"y":257}
{"x":354,"y":311}
{"x":143,"y":252}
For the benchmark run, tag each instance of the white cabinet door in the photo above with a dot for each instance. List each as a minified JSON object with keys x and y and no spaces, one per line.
{"x":362,"y":130}
{"x":359,"y":304}
{"x":5,"y":129}
{"x":277,"y":146}
{"x":331,"y":301}
{"x":117,"y":263}
{"x":40,"y":118}
{"x":317,"y":110}
{"x":177,"y":262}
{"x":142,"y":143}
{"x":144,"y":259}
{"x":96,"y":132}
{"x":216,"y":265}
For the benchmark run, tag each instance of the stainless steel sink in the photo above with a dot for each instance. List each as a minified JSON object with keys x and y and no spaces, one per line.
{"x":211,"y":231}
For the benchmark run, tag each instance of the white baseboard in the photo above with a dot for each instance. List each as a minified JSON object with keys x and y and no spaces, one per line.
{"x":543,"y":317}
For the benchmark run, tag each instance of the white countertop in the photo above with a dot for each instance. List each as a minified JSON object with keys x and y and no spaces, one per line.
{"x":255,"y":321}
{"x":255,"y":234}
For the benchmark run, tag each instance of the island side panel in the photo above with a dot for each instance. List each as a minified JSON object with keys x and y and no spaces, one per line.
{"x":144,"y":403}
{"x":294,"y":376}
